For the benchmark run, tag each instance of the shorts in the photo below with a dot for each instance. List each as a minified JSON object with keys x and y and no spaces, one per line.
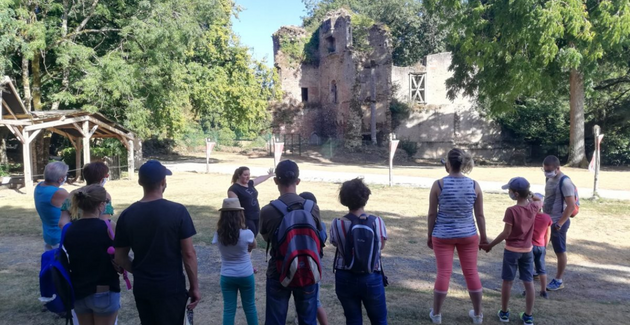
{"x":100,"y":303}
{"x":523,"y":261}
{"x":48,"y":247}
{"x":319,"y":289}
{"x":167,"y":310}
{"x":559,"y":237}
{"x":252,"y":224}
{"x":539,"y":253}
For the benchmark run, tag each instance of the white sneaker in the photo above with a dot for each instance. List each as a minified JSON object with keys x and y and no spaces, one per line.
{"x":436,"y":319}
{"x":477,"y":319}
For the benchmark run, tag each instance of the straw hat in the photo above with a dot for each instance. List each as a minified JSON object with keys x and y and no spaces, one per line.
{"x":231,"y":204}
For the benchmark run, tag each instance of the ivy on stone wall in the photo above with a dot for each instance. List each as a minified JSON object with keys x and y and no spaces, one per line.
{"x":361,"y":25}
{"x":353,"y":137}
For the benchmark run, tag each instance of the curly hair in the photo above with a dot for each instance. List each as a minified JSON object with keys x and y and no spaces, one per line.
{"x":87,"y":199}
{"x":229,"y":226}
{"x":354,"y":194}
{"x":238,"y":172}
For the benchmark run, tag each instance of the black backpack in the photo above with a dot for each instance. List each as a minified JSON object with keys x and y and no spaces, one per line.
{"x":361,"y":249}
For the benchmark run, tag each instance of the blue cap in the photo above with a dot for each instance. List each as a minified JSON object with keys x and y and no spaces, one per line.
{"x":287,"y":172}
{"x":152,"y":172}
{"x":517,"y":184}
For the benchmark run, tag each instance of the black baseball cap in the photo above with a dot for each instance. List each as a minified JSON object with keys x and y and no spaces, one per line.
{"x":287,"y":172}
{"x":152,"y":172}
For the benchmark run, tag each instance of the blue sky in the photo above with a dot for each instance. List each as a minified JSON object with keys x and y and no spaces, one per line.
{"x":260,"y":19}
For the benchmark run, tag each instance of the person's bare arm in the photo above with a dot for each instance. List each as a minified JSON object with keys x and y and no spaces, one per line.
{"x":263,"y":178}
{"x":189,"y":256}
{"x":122,"y":259}
{"x":252,"y":245}
{"x":432,"y":214}
{"x":59,"y":197}
{"x":547,"y":235}
{"x":507,"y":230}
{"x":64,"y":219}
{"x":232,"y":194}
{"x":479,"y":215}
{"x":570,"y":201}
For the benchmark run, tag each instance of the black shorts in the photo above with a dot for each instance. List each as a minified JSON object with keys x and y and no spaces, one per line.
{"x":253,"y":224}
{"x":162,"y":311}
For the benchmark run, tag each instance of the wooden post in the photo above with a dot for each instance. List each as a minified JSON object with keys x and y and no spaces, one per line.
{"x":26,"y":161}
{"x":393,"y":144}
{"x":130,"y":161}
{"x":596,"y":133}
{"x":86,"y":143}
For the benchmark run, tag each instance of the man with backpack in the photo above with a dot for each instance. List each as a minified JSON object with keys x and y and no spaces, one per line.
{"x":291,"y":226}
{"x":561,"y":204}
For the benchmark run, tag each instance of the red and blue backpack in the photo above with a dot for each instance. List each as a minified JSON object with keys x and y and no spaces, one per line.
{"x":54,"y":280}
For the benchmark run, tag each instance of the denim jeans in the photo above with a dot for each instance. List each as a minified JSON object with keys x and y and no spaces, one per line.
{"x":353,"y":289}
{"x":278,"y":303}
{"x":230,"y":286}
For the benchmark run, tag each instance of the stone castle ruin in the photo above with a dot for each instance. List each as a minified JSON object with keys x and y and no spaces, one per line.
{"x":335,"y":78}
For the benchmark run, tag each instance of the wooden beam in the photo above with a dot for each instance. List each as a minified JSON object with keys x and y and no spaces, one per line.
{"x":78,"y":146}
{"x":8,"y":109}
{"x":91,"y":133}
{"x":130,"y":160}
{"x":110,"y":128}
{"x":47,"y":125}
{"x":32,"y":136}
{"x":17,"y":133}
{"x":86,"y":143}
{"x":16,"y":122}
{"x":26,"y":162}
{"x":123,"y":141}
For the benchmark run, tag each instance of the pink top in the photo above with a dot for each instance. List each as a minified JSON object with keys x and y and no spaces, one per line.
{"x":522,"y":220}
{"x":541,"y":226}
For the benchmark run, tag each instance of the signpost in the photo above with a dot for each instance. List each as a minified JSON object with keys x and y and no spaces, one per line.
{"x":278,"y":147}
{"x":209,"y":146}
{"x":393,"y":144}
{"x":595,"y":161}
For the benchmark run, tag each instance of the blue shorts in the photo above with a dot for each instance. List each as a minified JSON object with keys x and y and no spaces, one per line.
{"x":539,"y":259}
{"x":559,"y":237}
{"x":101,"y":303}
{"x":319,"y":289}
{"x":523,"y":261}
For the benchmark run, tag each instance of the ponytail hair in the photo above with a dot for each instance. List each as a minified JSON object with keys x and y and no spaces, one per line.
{"x":86,"y":199}
{"x":238,"y":172}
{"x":460,"y":161}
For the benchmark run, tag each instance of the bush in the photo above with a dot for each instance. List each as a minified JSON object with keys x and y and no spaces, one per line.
{"x":410,"y":147}
{"x":223,"y":137}
{"x":400,"y":112}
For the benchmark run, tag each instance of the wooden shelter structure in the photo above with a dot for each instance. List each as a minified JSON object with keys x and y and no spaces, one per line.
{"x":78,"y":126}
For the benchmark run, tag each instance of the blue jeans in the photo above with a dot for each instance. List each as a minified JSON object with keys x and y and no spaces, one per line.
{"x":353,"y":289}
{"x":539,"y":259}
{"x":278,"y":303}
{"x":230,"y":287}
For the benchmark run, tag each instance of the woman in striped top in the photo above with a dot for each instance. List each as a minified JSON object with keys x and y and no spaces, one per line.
{"x":451,"y":225}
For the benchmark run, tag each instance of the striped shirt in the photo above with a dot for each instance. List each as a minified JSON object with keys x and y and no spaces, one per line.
{"x":455,"y":208}
{"x":338,"y":230}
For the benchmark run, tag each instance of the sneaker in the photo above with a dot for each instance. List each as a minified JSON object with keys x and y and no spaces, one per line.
{"x":555,"y":285}
{"x":527,"y":319}
{"x":504,"y":316}
{"x":544,"y":294}
{"x":477,"y":319}
{"x":436,"y":319}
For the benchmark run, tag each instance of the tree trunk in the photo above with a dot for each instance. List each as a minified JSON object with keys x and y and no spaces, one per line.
{"x":64,"y":33}
{"x":577,"y":156}
{"x":37,"y":82}
{"x":4,"y":160}
{"x":26,"y":82}
{"x":373,"y":106}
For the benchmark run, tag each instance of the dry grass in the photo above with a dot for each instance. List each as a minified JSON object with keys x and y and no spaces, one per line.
{"x":597,"y":279}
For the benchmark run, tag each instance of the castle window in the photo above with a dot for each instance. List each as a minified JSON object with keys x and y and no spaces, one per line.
{"x":304,"y":95}
{"x":417,"y":88}
{"x":330,"y":41}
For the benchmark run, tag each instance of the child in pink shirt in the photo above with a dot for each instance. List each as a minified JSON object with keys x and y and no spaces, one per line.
{"x":540,"y":238}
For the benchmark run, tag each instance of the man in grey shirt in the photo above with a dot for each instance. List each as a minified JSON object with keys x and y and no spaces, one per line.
{"x":559,"y":204}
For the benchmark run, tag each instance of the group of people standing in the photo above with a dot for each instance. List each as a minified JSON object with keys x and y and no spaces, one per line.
{"x":159,"y":232}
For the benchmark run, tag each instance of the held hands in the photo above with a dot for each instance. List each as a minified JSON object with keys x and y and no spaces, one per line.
{"x":486,"y":247}
{"x":430,"y":242}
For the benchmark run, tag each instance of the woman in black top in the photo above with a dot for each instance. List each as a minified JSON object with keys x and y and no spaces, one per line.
{"x":244,"y":189}
{"x":94,"y":279}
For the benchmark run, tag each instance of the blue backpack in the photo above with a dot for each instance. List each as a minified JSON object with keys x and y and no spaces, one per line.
{"x":361,"y":253}
{"x":54,"y":280}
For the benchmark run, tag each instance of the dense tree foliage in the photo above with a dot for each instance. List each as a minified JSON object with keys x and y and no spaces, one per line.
{"x":155,"y":66}
{"x":414,"y":33}
{"x":506,"y":51}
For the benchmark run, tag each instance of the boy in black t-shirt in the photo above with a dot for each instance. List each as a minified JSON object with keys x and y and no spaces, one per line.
{"x":160,"y":234}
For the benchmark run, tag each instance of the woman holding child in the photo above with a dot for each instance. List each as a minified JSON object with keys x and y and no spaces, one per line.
{"x":453,"y":201}
{"x":93,"y":276}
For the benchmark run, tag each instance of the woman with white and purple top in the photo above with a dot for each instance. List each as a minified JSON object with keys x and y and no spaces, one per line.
{"x":451,"y":225}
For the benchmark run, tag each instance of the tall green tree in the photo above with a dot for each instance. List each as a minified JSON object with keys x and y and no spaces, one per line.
{"x":504,"y":51}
